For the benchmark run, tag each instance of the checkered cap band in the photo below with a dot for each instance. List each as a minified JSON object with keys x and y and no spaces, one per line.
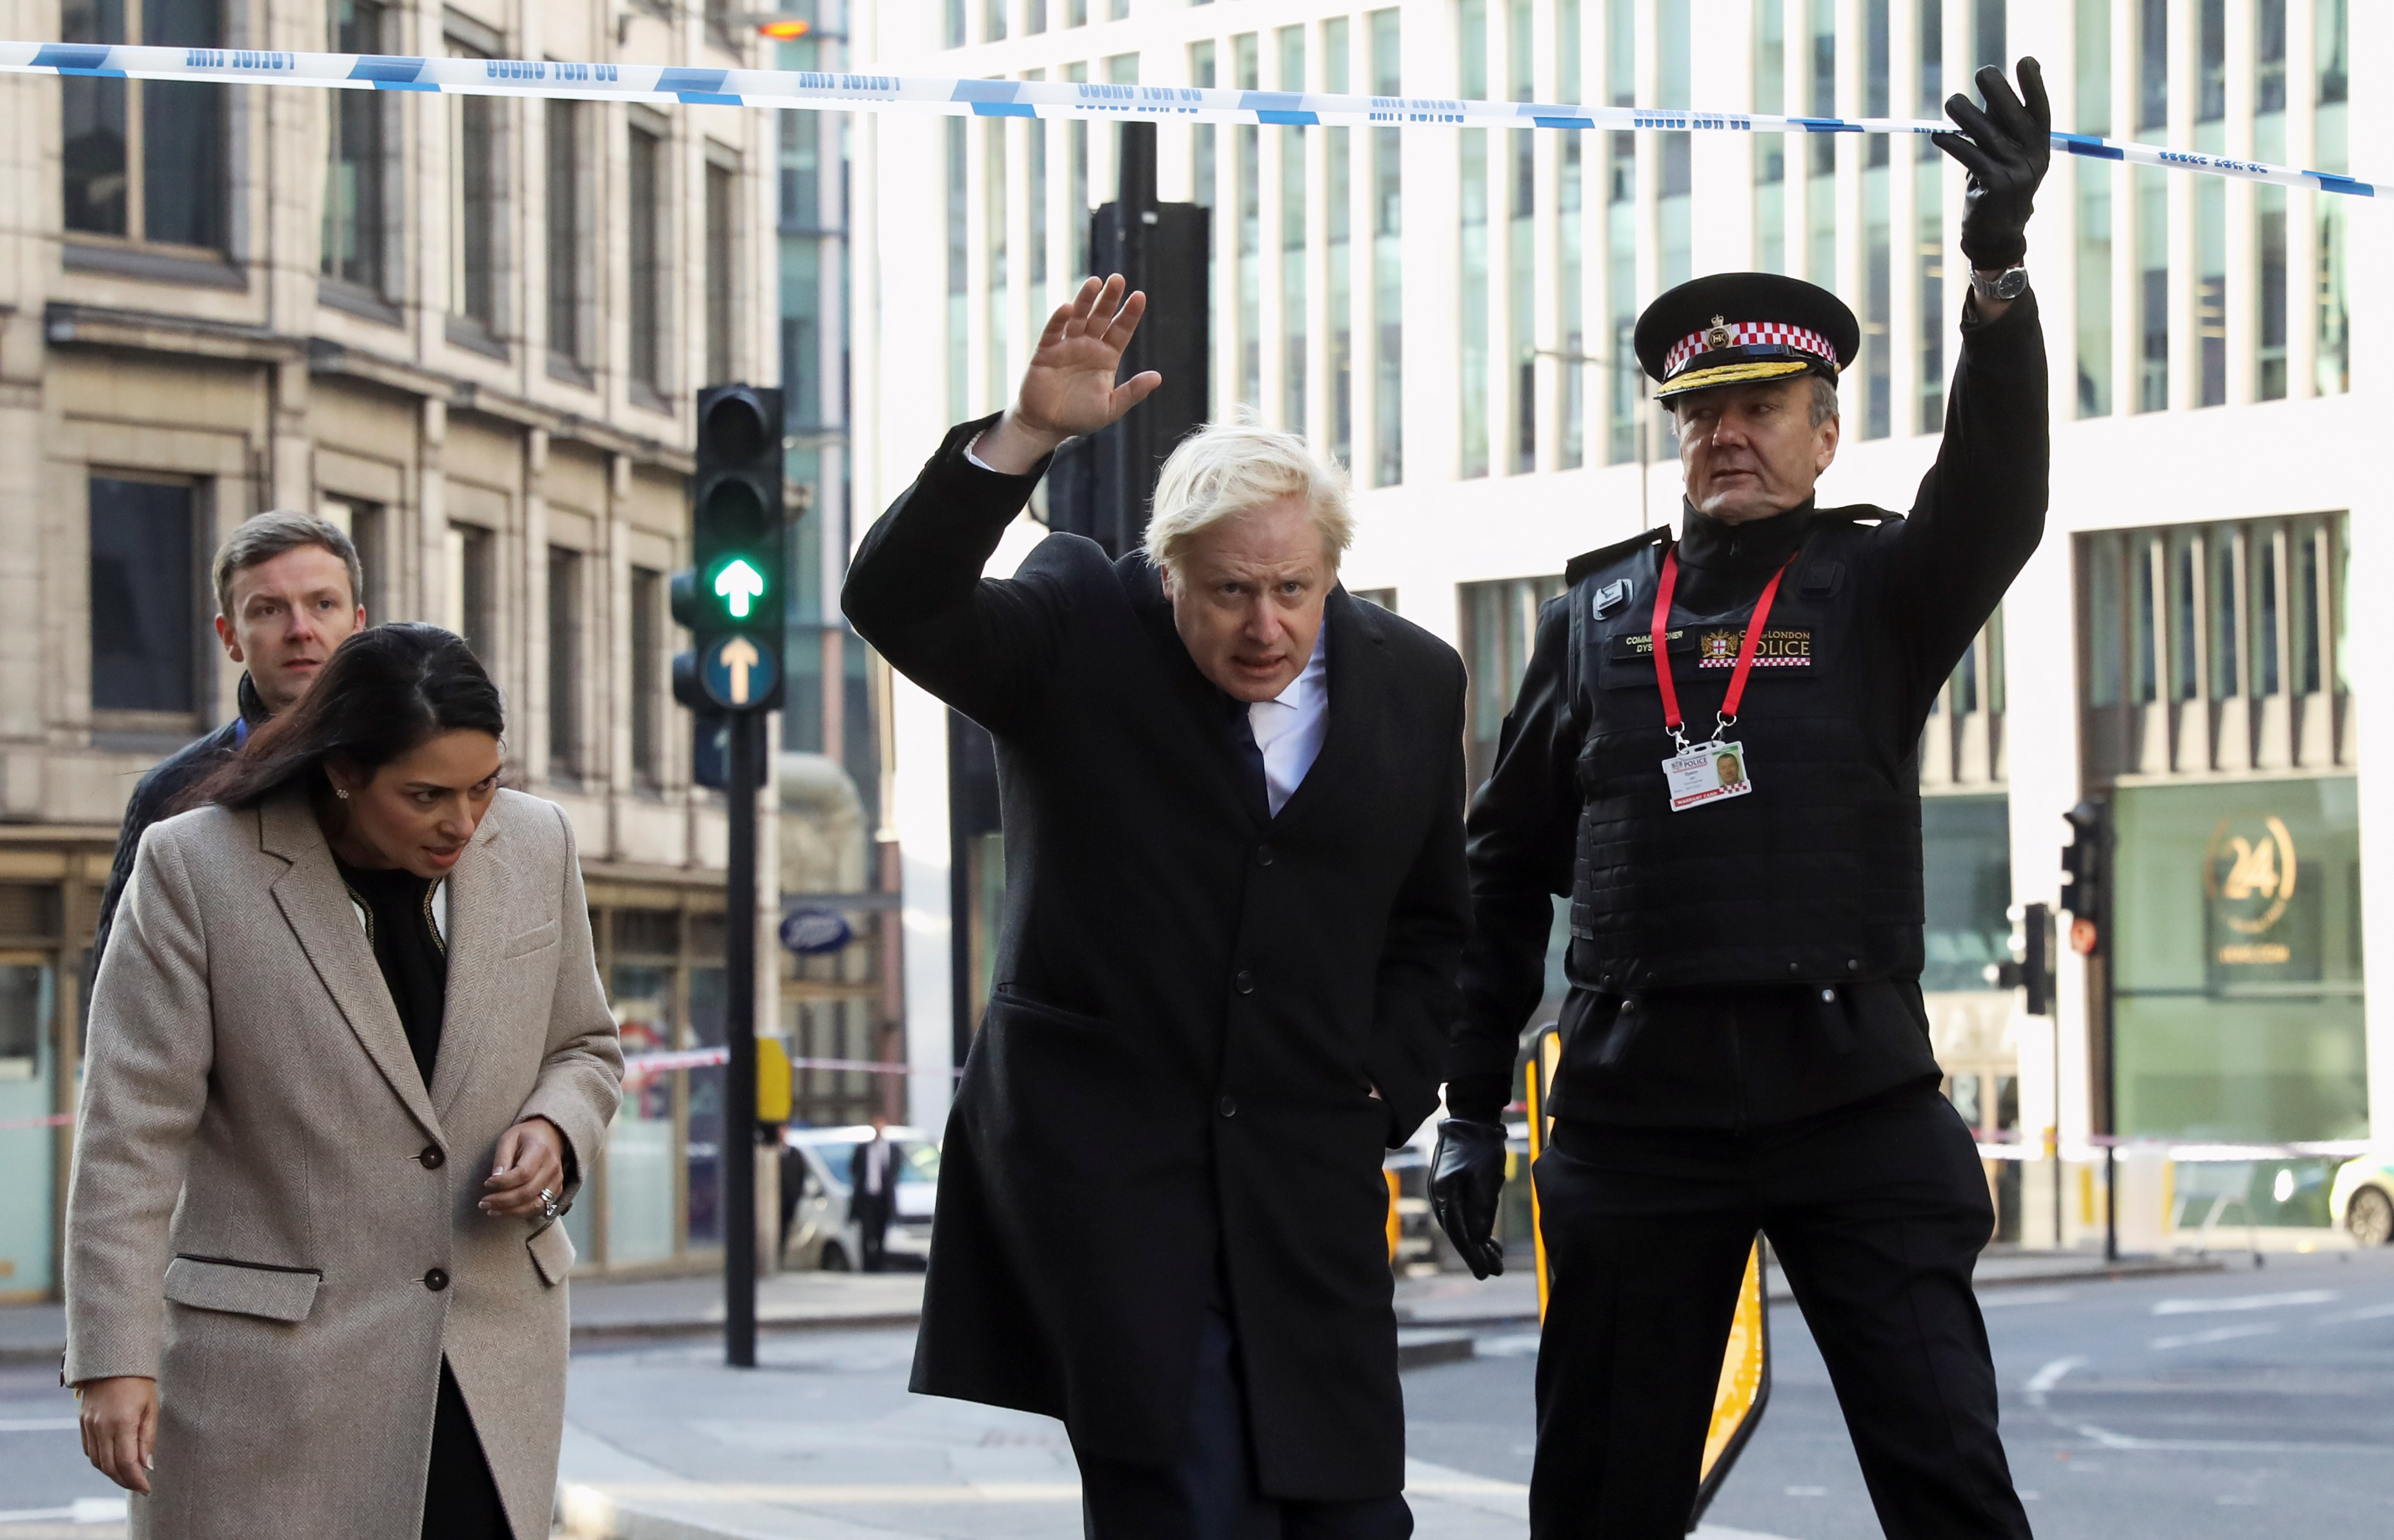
{"x":1749,"y":333}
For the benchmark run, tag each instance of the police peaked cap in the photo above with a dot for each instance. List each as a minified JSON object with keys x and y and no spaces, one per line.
{"x":1729,"y":328}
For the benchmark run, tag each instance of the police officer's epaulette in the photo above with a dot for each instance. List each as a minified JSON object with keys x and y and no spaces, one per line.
{"x":1861,"y":513}
{"x":1580,"y":566}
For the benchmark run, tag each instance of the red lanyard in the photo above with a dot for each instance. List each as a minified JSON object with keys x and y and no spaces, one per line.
{"x":1745,"y":651}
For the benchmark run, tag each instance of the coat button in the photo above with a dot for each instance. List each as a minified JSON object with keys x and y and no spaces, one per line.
{"x":1263,"y":855}
{"x":1245,"y":983}
{"x":1853,"y":965}
{"x":432,"y":1158}
{"x":437,"y":1280}
{"x":1828,"y":996}
{"x":1229,"y":1105}
{"x":1795,"y":968}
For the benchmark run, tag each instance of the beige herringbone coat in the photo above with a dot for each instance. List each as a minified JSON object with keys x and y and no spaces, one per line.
{"x":264,"y":1188}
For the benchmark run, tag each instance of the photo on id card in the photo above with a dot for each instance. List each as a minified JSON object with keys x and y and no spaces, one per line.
{"x":1707,"y":773}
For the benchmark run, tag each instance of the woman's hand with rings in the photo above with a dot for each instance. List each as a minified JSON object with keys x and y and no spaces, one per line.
{"x":529,"y":1171}
{"x":120,"y":1428}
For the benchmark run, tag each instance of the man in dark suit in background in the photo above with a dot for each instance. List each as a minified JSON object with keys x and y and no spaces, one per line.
{"x":873,"y":1193}
{"x":1234,"y":908}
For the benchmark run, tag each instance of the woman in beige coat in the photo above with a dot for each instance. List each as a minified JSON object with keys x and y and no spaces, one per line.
{"x":348,"y":1055}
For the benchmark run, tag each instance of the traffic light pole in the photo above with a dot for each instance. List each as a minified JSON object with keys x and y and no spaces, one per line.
{"x":738,"y":1146}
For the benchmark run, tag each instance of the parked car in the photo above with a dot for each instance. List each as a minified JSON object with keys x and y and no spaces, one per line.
{"x":817,"y":1231}
{"x":2363,"y":1197}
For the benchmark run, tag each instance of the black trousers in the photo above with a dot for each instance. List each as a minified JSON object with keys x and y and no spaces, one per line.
{"x":461,"y":1501}
{"x":1210,"y":1492}
{"x":1876,"y":1212}
{"x":872,"y":1231}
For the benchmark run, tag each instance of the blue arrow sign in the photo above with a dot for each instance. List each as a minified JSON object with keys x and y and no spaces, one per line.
{"x":737,"y":673}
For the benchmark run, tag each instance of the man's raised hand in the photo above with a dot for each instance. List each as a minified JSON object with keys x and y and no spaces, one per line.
{"x":1069,"y":389}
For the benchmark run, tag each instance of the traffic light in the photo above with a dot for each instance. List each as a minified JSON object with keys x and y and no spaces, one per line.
{"x":2086,"y":870}
{"x":730,"y":596}
{"x":2031,"y":967}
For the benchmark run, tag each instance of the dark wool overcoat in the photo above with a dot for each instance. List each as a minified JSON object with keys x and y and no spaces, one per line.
{"x":1193,"y":1002}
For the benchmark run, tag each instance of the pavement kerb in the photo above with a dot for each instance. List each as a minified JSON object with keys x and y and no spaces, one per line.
{"x":590,"y":1333}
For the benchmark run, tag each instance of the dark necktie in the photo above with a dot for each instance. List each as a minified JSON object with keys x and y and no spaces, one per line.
{"x":1248,"y":759}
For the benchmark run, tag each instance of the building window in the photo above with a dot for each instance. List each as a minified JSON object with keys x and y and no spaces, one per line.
{"x":2269,"y":203}
{"x":477,"y":196}
{"x":2211,"y":202}
{"x":1522,"y":250}
{"x":1821,"y":150}
{"x":646,"y":179}
{"x":1471,"y":389}
{"x":1928,"y":216}
{"x":565,"y":231}
{"x":368,"y":527}
{"x":565,"y":760}
{"x":992,"y":24}
{"x":2332,"y":117}
{"x":1879,"y":229}
{"x":473,"y":590}
{"x":353,"y":237}
{"x":144,"y":590}
{"x":1035,"y":279}
{"x":996,"y":290}
{"x":146,"y":159}
{"x":1771,"y":150}
{"x":1290,"y":44}
{"x":2151,"y":188}
{"x":1500,"y":627}
{"x":1076,"y":183}
{"x":959,"y":275}
{"x":2217,"y":648}
{"x":722,"y":266}
{"x":1246,"y":62}
{"x":1338,"y":217}
{"x":1627,"y":429}
{"x":1387,"y":263}
{"x":648,"y":654}
{"x":1674,"y":206}
{"x":1966,"y":841}
{"x":2093,"y":192}
{"x":952,"y":16}
{"x":1962,"y":744}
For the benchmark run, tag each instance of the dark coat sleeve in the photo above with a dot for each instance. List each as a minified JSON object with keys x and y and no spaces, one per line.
{"x":915,"y":592}
{"x":1520,"y":831}
{"x":1416,"y":994}
{"x":1980,"y":510}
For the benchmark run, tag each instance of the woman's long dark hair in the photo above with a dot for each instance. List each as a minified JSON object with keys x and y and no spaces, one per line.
{"x":385,"y":691}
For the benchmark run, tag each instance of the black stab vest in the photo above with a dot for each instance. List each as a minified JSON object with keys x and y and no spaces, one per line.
{"x":1813,"y":877}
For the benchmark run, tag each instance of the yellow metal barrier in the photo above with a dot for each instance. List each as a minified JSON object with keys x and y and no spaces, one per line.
{"x":1745,"y":1384}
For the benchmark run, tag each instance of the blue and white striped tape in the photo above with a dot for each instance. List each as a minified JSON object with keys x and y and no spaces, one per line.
{"x":1022,"y":99}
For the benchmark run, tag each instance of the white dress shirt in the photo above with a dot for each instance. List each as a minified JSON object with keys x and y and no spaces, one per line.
{"x":1290,"y":726}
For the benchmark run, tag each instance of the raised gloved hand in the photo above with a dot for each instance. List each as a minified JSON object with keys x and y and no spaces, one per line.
{"x":2005,"y":148}
{"x":1467,"y":1177}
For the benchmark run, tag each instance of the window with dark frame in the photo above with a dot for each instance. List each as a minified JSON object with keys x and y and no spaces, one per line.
{"x":145,"y":583}
{"x":563,"y":137}
{"x":722,"y":265}
{"x":645,"y":178}
{"x":145,"y":161}
{"x":1500,"y":625}
{"x":473,"y":555}
{"x":565,"y":759}
{"x":353,"y":233}
{"x":477,"y":193}
{"x":647,"y":742}
{"x":367,"y":525}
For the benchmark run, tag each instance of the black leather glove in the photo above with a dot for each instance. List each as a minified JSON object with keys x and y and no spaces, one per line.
{"x":2005,"y":148}
{"x":1467,"y":1177}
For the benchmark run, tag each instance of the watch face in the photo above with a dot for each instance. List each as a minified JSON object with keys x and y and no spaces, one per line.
{"x":2008,"y":285}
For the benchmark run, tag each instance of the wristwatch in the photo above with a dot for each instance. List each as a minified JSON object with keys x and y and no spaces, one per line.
{"x":2010,"y":284}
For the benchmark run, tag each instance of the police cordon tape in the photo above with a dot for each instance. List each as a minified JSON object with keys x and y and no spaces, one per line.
{"x":862,"y":92}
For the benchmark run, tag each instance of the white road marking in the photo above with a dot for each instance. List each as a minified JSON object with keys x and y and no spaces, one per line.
{"x":1807,"y":1491}
{"x":2110,"y":1440}
{"x":1511,"y":1344}
{"x":2050,"y":1375}
{"x":38,"y":1425}
{"x":2217,"y":1334}
{"x":2001,"y":1298}
{"x":2367,"y":1312}
{"x":2248,"y":1302}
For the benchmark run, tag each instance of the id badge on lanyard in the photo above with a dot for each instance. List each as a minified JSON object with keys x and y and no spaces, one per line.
{"x":1700,"y":774}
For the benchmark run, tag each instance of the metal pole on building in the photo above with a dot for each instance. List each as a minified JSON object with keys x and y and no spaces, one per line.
{"x":739,"y":1145}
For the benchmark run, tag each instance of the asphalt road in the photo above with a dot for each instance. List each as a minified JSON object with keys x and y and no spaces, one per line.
{"x":2240,"y":1403}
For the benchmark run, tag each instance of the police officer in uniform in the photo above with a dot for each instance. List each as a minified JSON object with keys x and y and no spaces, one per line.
{"x":1714,"y":755}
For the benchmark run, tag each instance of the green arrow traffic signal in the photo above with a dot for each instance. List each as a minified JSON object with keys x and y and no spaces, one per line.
{"x":738,"y":585}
